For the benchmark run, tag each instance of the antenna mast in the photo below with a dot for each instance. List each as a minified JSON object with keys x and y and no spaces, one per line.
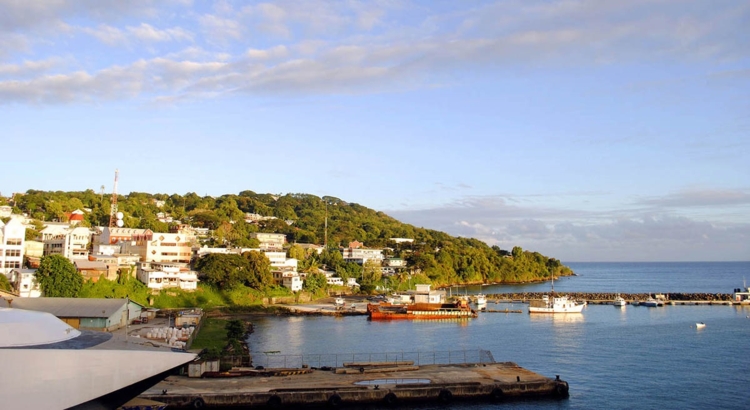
{"x":113,"y":208}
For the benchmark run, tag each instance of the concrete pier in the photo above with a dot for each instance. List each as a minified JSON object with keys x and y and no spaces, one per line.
{"x":412,"y":384}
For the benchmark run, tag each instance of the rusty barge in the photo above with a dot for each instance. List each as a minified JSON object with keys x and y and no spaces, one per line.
{"x":386,"y":311}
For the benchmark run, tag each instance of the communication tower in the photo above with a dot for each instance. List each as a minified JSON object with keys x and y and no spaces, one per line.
{"x":115,"y":218}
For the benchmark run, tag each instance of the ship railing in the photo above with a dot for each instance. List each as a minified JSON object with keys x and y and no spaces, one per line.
{"x":273,"y":360}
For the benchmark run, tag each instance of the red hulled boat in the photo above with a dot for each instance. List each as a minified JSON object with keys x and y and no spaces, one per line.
{"x":386,"y":311}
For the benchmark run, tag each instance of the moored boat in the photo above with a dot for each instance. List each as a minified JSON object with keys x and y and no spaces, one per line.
{"x":481,"y":301}
{"x":742,"y":295}
{"x":386,"y":311}
{"x":556,"y":304}
{"x":650,"y":302}
{"x":700,"y":325}
{"x":619,"y":301}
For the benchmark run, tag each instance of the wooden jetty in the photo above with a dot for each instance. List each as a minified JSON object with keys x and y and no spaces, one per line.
{"x":369,"y":383}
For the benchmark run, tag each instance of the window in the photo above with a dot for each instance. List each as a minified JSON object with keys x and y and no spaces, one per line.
{"x":14,"y":241}
{"x":13,"y":252}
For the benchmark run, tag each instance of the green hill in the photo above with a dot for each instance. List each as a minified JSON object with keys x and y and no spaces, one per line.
{"x":434,"y":255}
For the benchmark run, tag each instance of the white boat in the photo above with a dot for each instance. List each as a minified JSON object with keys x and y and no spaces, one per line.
{"x":700,"y":325}
{"x":619,"y":301}
{"x":50,"y":365}
{"x":339,"y":302}
{"x":557,"y":304}
{"x":481,"y":301}
{"x":742,"y":295}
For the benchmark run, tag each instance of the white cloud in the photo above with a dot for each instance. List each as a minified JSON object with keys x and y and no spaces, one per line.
{"x":615,"y":234}
{"x":219,"y":28}
{"x":272,"y":53}
{"x":146,"y":32}
{"x":106,"y":34}
{"x":331,"y":49}
{"x":28,"y":68}
{"x":701,"y":197}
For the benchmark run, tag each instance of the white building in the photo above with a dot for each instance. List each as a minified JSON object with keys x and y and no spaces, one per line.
{"x":334,"y":281}
{"x":158,"y":276}
{"x":280,"y":261}
{"x":252,"y":218}
{"x":337,"y":281}
{"x":161,"y":247}
{"x":24,"y":282}
{"x":12,"y":236}
{"x":114,"y":235}
{"x":5,"y":211}
{"x":362,"y":255}
{"x":288,"y":279}
{"x":106,"y":249}
{"x":205,"y":250}
{"x":394,"y":262}
{"x":270,"y":241}
{"x":70,"y":242}
{"x":423,"y":294}
{"x":284,"y":270}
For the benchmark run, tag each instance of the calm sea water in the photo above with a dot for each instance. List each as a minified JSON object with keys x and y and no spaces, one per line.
{"x":613,"y":358}
{"x":639,"y":277}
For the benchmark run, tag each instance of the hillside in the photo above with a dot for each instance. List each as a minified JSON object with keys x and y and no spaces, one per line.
{"x":442,"y":258}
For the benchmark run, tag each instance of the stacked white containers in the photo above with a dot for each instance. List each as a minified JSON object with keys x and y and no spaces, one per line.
{"x":172,"y":336}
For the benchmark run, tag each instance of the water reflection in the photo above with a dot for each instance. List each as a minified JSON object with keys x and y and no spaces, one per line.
{"x":557,"y":318}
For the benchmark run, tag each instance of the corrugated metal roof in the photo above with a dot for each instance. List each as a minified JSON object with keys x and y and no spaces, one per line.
{"x":71,"y":307}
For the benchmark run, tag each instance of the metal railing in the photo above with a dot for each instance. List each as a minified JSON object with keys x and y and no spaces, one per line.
{"x":273,"y":360}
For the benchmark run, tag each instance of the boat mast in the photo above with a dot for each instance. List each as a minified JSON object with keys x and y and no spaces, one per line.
{"x":553,"y":284}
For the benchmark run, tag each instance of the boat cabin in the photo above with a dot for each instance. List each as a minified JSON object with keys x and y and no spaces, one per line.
{"x":742,"y":296}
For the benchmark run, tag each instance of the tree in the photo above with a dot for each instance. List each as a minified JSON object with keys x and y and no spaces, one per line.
{"x":33,"y":233}
{"x":58,"y":277}
{"x":223,"y":270}
{"x":259,"y":270}
{"x":296,"y":252}
{"x":235,"y":329}
{"x":315,"y":282}
{"x":331,"y":258}
{"x":4,"y":284}
{"x":371,"y":273}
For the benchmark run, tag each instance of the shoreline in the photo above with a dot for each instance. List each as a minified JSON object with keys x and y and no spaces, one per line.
{"x":357,"y":305}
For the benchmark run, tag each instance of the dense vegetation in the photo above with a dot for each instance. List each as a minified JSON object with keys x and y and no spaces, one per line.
{"x":434,"y":257}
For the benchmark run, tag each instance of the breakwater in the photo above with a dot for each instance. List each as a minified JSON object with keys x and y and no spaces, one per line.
{"x":605,"y":297}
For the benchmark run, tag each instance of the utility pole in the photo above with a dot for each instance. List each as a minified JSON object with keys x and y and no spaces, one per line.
{"x":325,"y":230}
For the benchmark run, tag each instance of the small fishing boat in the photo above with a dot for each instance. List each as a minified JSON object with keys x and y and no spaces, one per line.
{"x":650,"y":302}
{"x":700,"y":325}
{"x":481,"y":301}
{"x":619,"y":301}
{"x":556,"y":304}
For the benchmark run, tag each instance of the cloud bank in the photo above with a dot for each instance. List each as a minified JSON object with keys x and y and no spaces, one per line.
{"x":322,"y":47}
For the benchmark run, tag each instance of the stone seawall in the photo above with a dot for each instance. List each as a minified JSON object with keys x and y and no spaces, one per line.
{"x":691,"y":297}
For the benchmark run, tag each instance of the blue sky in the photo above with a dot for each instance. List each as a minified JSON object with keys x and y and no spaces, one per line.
{"x":585,"y":130}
